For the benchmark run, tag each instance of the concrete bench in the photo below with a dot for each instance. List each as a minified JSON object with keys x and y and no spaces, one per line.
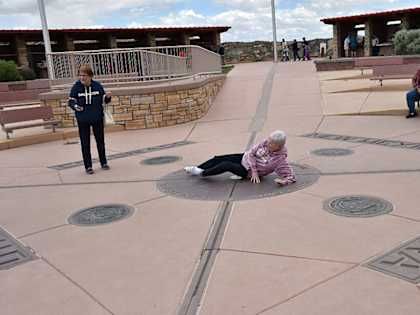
{"x":394,"y":72}
{"x":20,"y":104}
{"x":26,"y":118}
{"x":369,"y":63}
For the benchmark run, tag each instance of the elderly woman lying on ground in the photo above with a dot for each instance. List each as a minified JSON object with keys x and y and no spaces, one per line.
{"x":264,"y":158}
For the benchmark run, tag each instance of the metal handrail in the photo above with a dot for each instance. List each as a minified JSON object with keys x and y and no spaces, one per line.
{"x":142,"y":64}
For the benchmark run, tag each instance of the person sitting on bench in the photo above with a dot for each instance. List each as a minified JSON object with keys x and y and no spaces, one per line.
{"x":262,"y":159}
{"x":413,"y":96}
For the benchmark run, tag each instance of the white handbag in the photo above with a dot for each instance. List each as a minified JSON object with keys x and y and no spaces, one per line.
{"x":108,"y":119}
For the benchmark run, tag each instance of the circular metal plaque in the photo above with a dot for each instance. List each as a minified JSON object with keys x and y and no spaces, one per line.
{"x":102,"y":214}
{"x":358,"y":206}
{"x":332,"y":152}
{"x":222,"y":187}
{"x":161,"y":160}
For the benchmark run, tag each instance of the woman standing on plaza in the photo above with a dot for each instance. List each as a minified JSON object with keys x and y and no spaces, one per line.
{"x":86,"y":99}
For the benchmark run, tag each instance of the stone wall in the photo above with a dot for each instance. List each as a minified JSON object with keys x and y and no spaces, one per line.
{"x":12,"y":92}
{"x":350,"y":63}
{"x":262,"y":51}
{"x":140,"y":107}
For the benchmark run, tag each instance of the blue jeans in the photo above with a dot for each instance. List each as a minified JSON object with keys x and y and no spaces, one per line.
{"x":412,"y":97}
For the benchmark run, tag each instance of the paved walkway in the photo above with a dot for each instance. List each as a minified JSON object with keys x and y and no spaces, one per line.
{"x":279,"y":255}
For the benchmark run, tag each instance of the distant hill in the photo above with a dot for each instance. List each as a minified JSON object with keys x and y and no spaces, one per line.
{"x":263,"y":50}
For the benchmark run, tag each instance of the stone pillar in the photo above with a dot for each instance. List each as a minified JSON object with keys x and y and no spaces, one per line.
{"x":405,"y":22}
{"x":68,"y":43}
{"x":112,"y":42}
{"x":368,"y":38}
{"x":215,"y":40}
{"x":184,"y":39}
{"x":22,"y":51}
{"x":151,"y":40}
{"x":337,"y":42}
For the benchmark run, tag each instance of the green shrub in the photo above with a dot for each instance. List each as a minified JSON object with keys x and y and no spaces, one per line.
{"x":407,"y":42}
{"x":9,"y":71}
{"x":27,"y":73}
{"x":227,"y":68}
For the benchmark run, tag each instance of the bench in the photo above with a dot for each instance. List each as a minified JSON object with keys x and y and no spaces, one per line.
{"x":394,"y":72}
{"x":20,"y":104}
{"x":28,"y":117}
{"x":369,"y":63}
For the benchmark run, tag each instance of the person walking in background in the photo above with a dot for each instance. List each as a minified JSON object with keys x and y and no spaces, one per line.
{"x":284,"y":51}
{"x":413,"y":96}
{"x":86,"y":99}
{"x":295,"y":49}
{"x":347,"y":46}
{"x":306,"y":51}
{"x":221,"y":52}
{"x":375,"y":47}
{"x":353,"y":45}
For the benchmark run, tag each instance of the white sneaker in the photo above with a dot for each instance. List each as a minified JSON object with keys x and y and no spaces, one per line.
{"x":193,"y":170}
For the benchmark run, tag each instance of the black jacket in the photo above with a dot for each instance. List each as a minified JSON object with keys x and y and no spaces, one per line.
{"x":90,"y":98}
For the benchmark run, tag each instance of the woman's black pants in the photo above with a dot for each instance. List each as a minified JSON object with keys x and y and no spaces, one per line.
{"x":84,"y":134}
{"x":224,"y":163}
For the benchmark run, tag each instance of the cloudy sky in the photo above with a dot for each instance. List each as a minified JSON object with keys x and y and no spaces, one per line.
{"x":250,"y":19}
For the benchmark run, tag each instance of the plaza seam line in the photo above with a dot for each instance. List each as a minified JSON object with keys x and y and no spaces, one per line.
{"x":405,"y":218}
{"x":74,"y":164}
{"x":43,"y":230}
{"x":320,"y":124}
{"x":369,"y":172}
{"x":67,"y":224}
{"x":357,"y":145}
{"x":175,"y":179}
{"x":77,"y":285}
{"x":313,"y":195}
{"x":353,"y":147}
{"x":287,"y":256}
{"x":60,"y":177}
{"x":222,"y":120}
{"x":306,"y":290}
{"x":190,"y":132}
{"x":81,"y":183}
{"x":194,"y":294}
{"x":364,"y":102}
{"x":150,"y":200}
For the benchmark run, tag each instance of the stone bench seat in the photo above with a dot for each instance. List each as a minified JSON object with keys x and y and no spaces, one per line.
{"x":368,"y":63}
{"x":394,"y":72}
{"x":13,"y":119}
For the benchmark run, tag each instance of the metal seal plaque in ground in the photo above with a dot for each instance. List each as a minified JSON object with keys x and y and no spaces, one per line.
{"x":166,"y":159}
{"x":102,"y":214}
{"x":332,"y":152}
{"x":222,"y":187}
{"x":358,"y":206}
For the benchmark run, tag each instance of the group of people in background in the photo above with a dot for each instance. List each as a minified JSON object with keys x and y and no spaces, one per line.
{"x":285,"y":55}
{"x":352,"y":42}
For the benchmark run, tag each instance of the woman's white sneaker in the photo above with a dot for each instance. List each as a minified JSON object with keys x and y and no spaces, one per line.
{"x":193,"y":170}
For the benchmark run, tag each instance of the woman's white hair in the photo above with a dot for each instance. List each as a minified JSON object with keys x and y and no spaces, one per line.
{"x":278,"y":137}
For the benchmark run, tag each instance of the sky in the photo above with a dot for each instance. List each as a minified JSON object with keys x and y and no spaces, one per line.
{"x":250,"y":19}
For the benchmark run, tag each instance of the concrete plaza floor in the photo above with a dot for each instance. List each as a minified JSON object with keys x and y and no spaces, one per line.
{"x":279,"y":255}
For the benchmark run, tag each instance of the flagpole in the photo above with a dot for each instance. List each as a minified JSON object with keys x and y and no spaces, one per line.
{"x":46,"y":36}
{"x":273,"y":15}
